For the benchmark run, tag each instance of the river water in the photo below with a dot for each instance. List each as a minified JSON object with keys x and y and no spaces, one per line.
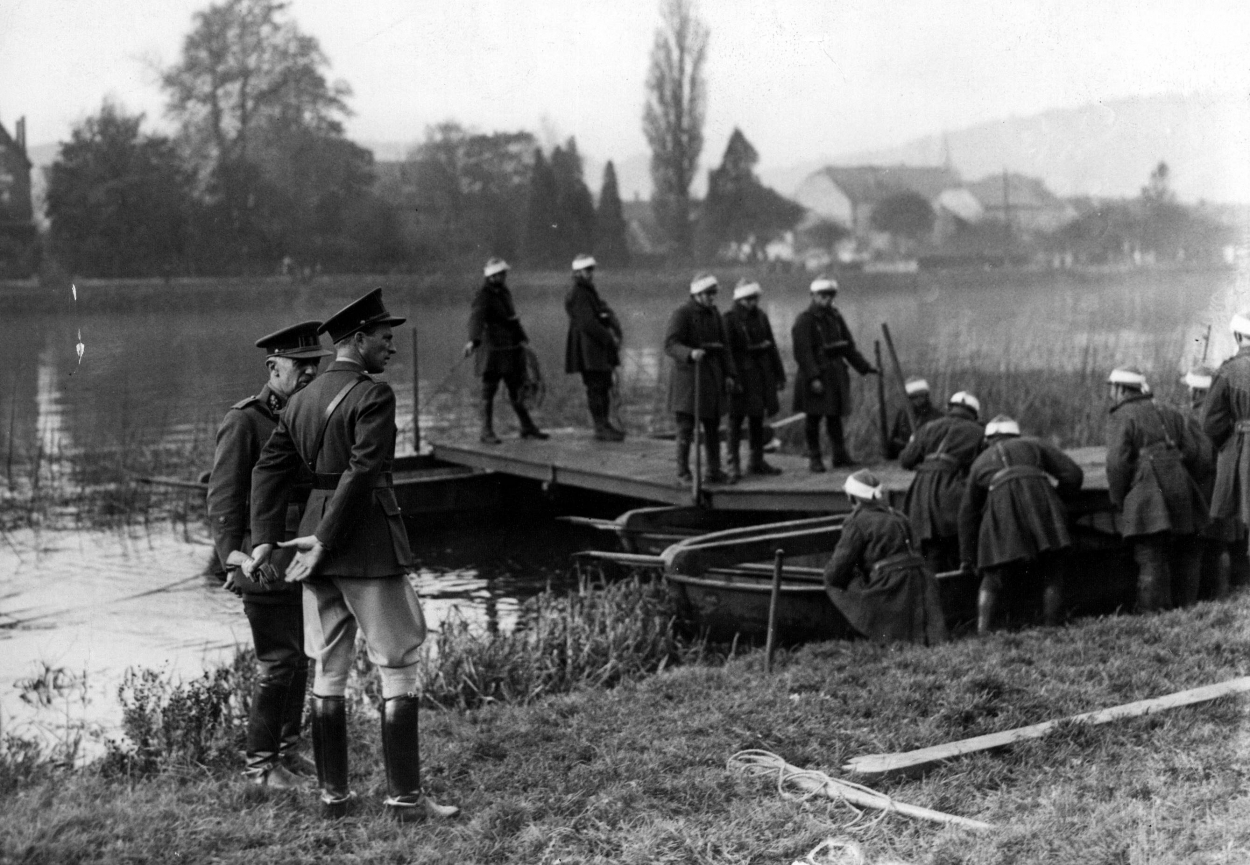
{"x":161,"y":364}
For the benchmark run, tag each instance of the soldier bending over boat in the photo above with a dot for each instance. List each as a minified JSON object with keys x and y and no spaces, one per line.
{"x":921,"y":406}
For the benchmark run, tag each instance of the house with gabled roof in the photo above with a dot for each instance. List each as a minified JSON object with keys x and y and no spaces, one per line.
{"x":848,"y":194}
{"x":1023,"y":202}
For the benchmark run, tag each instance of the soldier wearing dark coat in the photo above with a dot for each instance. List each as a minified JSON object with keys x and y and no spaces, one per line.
{"x":922,"y":408}
{"x":593,"y":346}
{"x":499,"y":341}
{"x":1222,"y":536}
{"x":941,"y":454}
{"x":696,"y":341}
{"x":1151,"y":462}
{"x":1226,"y":420}
{"x":876,"y":579}
{"x":823,"y":346}
{"x":760,"y":375}
{"x":353,"y":554}
{"x":272,"y":606}
{"x":1012,"y":522}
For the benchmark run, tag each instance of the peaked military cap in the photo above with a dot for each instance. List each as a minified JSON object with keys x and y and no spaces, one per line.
{"x":365,"y":312}
{"x":299,"y":341}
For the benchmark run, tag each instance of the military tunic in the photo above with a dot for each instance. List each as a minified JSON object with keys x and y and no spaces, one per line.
{"x":352,"y":509}
{"x":590,"y":346}
{"x":823,"y":346}
{"x":757,"y":360}
{"x":941,"y":454}
{"x":878,"y":582}
{"x":692,"y":326}
{"x":1226,"y":419}
{"x":1009,"y":512}
{"x":240,"y":438}
{"x":1152,"y":457}
{"x":496,"y":332}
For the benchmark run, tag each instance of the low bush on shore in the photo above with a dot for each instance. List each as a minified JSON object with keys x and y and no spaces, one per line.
{"x":637,"y":773}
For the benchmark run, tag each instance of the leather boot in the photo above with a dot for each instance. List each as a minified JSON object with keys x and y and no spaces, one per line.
{"x":292,"y":718}
{"x":755,"y":436}
{"x":329,"y":730}
{"x":1052,"y":596}
{"x":987,"y":609}
{"x":734,"y":446}
{"x":529,"y":430}
{"x":1238,"y":564}
{"x":841,"y":456}
{"x":811,"y":432}
{"x":711,"y":447}
{"x":487,"y":436}
{"x":1186,"y":568}
{"x":402,"y":755}
{"x":264,"y":738}
{"x":684,"y":477}
{"x":1154,"y":581}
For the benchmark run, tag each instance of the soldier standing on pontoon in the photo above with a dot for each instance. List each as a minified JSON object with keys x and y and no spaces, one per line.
{"x":593,"y":346}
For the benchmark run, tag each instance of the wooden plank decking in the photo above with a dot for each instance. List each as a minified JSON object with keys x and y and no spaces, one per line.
{"x":644,"y":468}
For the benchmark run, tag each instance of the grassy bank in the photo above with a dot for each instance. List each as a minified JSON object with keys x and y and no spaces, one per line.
{"x":637,"y":773}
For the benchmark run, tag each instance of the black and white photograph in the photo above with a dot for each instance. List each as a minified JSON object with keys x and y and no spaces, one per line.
{"x":663,"y":432}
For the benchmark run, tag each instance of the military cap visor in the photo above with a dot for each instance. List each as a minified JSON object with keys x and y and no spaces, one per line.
{"x":298,"y":342}
{"x":361,"y":314}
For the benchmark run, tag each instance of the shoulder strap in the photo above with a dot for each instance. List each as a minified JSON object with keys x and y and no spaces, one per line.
{"x":244,"y":403}
{"x":311,"y":461}
{"x":1167,"y":437}
{"x":1002,"y":454}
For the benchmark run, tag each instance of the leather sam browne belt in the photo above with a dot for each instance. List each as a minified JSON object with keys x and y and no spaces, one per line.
{"x":330,"y":481}
{"x":1014,"y":473}
{"x":939,"y":462}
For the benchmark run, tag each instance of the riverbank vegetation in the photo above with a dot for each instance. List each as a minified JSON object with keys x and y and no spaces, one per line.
{"x":637,"y":773}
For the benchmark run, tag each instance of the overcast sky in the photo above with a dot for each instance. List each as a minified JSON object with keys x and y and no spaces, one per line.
{"x":802,"y":79}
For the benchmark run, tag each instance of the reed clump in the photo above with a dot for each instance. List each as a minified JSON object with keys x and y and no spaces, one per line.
{"x":599,"y":636}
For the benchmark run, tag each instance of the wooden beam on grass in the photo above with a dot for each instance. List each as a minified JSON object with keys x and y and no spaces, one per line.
{"x":879,"y":765}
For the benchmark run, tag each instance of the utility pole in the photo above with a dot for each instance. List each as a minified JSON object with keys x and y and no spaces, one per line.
{"x":1006,"y":216}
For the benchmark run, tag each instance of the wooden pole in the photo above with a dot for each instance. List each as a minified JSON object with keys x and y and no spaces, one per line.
{"x":882,"y":414}
{"x":416,"y":397}
{"x":697,"y":485}
{"x":898,"y":374}
{"x":770,"y":642}
{"x":914,"y":761}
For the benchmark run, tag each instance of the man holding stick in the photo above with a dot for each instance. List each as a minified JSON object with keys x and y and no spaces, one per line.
{"x":823,"y":346}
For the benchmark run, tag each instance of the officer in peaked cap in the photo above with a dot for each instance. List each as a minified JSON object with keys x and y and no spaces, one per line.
{"x":292,"y":356}
{"x":353,"y":552}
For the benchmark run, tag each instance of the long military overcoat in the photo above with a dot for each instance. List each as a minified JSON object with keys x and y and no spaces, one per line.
{"x":1226,"y":419}
{"x":240,"y":438}
{"x":496,"y":331}
{"x":1224,"y":529}
{"x":878,"y":582}
{"x":694,"y":326}
{"x":352,"y":509}
{"x":823,"y":346}
{"x":901,"y":431}
{"x":594,"y":332}
{"x":1152,"y":457}
{"x":1009,"y":511}
{"x":941,"y":454}
{"x":757,"y":360}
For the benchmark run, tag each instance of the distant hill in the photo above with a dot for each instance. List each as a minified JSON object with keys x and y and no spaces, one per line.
{"x":1103,"y":149}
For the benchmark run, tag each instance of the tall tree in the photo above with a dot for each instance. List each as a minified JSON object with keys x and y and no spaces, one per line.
{"x":611,"y":246}
{"x":907,"y":215}
{"x":118,"y":199}
{"x":673,"y":117}
{"x":739,"y":209}
{"x":575,"y":208}
{"x":542,"y":242}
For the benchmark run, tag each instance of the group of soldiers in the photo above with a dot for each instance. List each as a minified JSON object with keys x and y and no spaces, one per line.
{"x":724,"y":365}
{"x":991,"y":501}
{"x":308,"y":530}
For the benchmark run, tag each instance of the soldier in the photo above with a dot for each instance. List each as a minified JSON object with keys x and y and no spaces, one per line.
{"x":1012,"y":522}
{"x":292,"y":356}
{"x":822,"y":387}
{"x":495,"y":333}
{"x":760,"y":376}
{"x":593,"y":346}
{"x":1226,"y":420}
{"x":941,"y":453}
{"x":697,"y":343}
{"x":353,"y":552}
{"x":1221,"y":534}
{"x":900,"y":431}
{"x":1151,"y":459}
{"x":876,"y":579}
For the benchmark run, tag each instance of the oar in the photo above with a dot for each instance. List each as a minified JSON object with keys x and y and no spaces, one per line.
{"x":898,"y":373}
{"x":697,"y":486}
{"x":772,"y":612}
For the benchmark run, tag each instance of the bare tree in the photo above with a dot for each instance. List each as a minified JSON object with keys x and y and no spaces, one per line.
{"x":673,"y":118}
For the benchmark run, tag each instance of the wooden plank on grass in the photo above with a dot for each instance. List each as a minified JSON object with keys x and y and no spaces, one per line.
{"x":877,"y":765}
